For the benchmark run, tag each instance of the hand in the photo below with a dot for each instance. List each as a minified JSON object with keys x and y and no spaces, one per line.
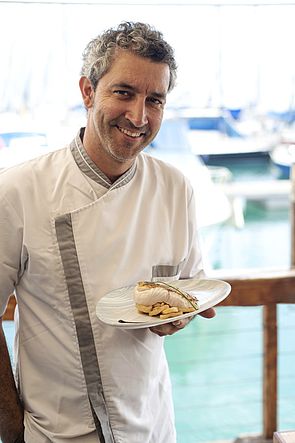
{"x":177,"y":325}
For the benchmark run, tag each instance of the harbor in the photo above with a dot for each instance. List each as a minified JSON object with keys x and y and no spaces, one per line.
{"x":229,"y":126}
{"x":217,"y":366}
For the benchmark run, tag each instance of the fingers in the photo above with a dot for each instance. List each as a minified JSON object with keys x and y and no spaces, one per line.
{"x":209,"y":313}
{"x":177,"y":325}
{"x":170,"y":328}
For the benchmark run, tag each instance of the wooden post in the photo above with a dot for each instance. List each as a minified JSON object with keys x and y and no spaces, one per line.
{"x":270,"y":338}
{"x":269,"y":370}
{"x":9,"y":313}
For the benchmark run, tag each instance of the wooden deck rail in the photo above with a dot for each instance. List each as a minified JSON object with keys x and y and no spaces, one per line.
{"x":10,"y":309}
{"x":266,"y":289}
{"x":256,"y":288}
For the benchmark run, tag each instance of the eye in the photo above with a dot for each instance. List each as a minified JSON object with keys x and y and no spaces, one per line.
{"x":156,"y":101}
{"x":121,"y":92}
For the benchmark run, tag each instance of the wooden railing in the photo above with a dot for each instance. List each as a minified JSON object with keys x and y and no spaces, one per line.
{"x":256,"y":288}
{"x":266,"y":289}
{"x":10,"y":309}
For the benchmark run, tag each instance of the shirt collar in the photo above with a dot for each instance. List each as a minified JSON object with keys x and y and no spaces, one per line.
{"x":89,"y":168}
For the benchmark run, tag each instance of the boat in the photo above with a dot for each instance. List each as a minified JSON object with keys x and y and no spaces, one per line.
{"x":283,"y":157}
{"x":283,"y":154}
{"x":216,"y":132}
{"x":19,"y":146}
{"x":23,"y":138}
{"x":172,"y":145}
{"x":20,"y":139}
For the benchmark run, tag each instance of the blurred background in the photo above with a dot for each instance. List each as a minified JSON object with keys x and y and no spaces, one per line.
{"x":229,"y":125}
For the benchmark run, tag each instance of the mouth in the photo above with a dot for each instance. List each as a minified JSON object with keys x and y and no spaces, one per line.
{"x":130,"y":133}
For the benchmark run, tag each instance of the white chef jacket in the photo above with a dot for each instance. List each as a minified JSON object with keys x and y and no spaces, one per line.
{"x":67,"y":237}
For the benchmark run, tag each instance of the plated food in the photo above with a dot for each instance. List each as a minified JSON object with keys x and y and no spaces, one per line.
{"x":162,"y":300}
{"x":117,"y":307}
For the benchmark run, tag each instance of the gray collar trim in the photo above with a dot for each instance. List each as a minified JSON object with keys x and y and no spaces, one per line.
{"x":89,"y":168}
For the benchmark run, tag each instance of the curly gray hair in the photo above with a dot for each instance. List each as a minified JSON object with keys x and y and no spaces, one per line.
{"x":139,"y":38}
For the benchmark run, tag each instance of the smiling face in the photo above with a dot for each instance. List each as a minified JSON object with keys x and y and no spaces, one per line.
{"x":125,"y":112}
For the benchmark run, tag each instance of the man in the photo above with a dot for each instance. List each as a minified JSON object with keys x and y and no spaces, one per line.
{"x":77,"y":223}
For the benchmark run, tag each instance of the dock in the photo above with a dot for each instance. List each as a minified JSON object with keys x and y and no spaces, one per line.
{"x":258,"y":190}
{"x":269,"y":192}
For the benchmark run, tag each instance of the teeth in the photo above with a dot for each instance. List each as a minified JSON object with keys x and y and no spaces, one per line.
{"x":131,"y":134}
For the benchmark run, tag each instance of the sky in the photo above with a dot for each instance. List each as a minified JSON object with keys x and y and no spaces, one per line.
{"x":228,"y":56}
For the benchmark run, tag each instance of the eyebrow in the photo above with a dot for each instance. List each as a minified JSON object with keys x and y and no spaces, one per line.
{"x":131,"y":88}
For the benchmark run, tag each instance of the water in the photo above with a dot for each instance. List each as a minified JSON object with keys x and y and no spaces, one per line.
{"x":254,"y":245}
{"x":216,"y":365}
{"x":217,"y":376}
{"x":216,"y":368}
{"x":8,"y":327}
{"x":264,"y":242}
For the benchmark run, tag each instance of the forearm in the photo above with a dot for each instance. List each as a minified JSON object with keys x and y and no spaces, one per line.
{"x":11,"y":411}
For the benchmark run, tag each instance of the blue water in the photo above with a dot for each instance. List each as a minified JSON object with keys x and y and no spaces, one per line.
{"x":216,"y":368}
{"x":217,"y":376}
{"x":264,"y":242}
{"x":216,"y":365}
{"x":8,"y":327}
{"x":216,"y":371}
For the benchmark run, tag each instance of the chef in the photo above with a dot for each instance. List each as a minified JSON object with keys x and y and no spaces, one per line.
{"x":76,"y":223}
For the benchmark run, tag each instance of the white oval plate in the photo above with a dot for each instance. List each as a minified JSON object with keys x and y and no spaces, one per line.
{"x":117,"y":308}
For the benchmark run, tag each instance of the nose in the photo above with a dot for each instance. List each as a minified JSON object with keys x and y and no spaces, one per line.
{"x":137,"y":113}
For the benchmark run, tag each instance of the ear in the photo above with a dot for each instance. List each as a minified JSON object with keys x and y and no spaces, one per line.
{"x":86,"y":91}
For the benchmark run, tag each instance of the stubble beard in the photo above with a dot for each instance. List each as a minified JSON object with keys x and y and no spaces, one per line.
{"x":110,"y":147}
{"x":123,"y":153}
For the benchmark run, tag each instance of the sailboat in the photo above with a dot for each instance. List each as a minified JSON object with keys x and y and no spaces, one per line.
{"x":172,"y":145}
